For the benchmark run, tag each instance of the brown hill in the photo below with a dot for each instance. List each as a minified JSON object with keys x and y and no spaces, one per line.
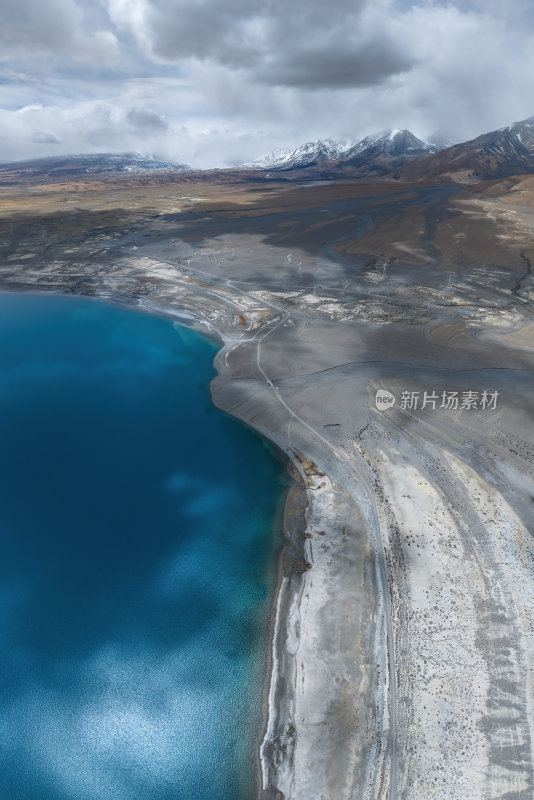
{"x":499,"y":154}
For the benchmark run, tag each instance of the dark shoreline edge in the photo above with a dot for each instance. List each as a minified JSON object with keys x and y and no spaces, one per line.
{"x":288,"y":570}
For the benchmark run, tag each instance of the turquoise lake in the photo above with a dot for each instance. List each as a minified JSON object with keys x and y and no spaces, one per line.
{"x":138,"y":534}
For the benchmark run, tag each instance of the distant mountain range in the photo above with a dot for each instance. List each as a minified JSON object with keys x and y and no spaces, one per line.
{"x":92,"y":163}
{"x":376,"y":154}
{"x":394,"y":155}
{"x":400,"y":155}
{"x":309,"y":154}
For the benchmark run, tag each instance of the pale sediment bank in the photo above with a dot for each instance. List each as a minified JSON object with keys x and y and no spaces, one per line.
{"x":324,"y":696}
{"x":447,"y":514}
{"x":326,"y":729}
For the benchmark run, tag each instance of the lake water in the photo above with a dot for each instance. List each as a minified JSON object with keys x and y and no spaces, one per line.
{"x":138,"y":540}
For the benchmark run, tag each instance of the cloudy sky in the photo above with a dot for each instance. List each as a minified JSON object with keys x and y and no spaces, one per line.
{"x":215,"y":82}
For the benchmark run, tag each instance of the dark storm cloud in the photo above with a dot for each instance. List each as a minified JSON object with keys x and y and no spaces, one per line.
{"x":304,"y":43}
{"x":366,"y":65}
{"x":30,"y":28}
{"x":29,"y":23}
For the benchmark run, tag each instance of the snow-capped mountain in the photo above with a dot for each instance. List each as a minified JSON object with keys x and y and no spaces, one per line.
{"x":377,"y":154}
{"x":93,"y":163}
{"x":513,"y":142}
{"x":386,"y":152}
{"x":524,"y":132}
{"x":394,"y":143}
{"x":498,"y":154}
{"x":127,"y":162}
{"x":309,"y":154}
{"x":399,"y":154}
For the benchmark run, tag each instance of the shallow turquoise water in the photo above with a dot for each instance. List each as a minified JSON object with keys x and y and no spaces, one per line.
{"x":137,"y":547}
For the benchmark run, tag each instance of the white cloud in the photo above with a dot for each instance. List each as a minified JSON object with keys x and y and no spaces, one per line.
{"x":46,"y":137}
{"x":221,"y":81}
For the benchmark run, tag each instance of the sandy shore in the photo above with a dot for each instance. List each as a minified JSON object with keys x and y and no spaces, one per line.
{"x":403,"y":629}
{"x":401,"y":657}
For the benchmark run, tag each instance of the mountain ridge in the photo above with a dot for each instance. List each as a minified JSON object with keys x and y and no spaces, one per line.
{"x":396,"y":145}
{"x":392,"y":155}
{"x":93,"y":163}
{"x":497,"y":154}
{"x":307,"y":154}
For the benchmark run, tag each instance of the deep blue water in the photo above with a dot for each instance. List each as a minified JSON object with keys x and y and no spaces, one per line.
{"x":137,"y":541}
